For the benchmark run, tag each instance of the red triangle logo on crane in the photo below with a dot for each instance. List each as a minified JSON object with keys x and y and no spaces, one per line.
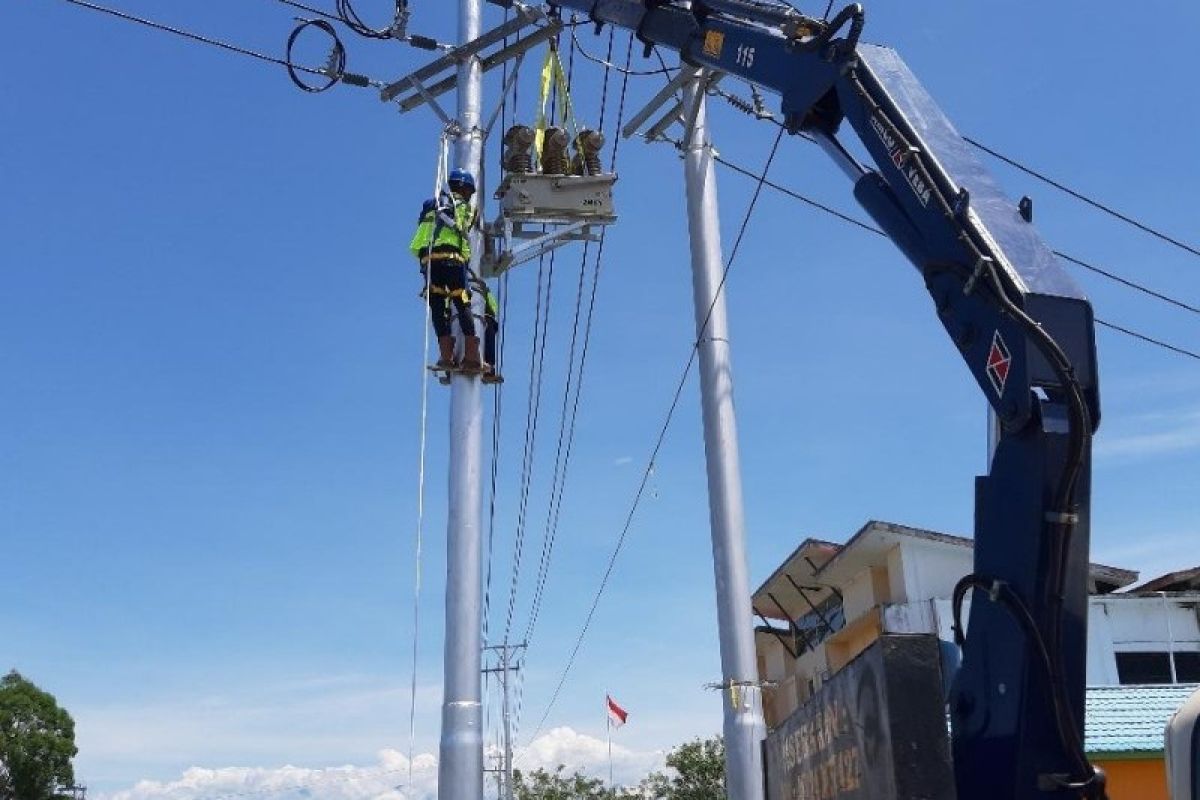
{"x":999,"y":361}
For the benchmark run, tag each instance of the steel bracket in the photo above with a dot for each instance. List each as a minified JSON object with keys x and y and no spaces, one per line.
{"x":439,"y":76}
{"x":677,"y":111}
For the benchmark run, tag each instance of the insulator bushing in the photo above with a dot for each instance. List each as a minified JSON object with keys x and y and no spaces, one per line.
{"x":556,"y":160}
{"x":587,"y":152}
{"x":518,"y":149}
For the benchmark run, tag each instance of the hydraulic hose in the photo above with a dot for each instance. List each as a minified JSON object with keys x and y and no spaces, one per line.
{"x":853,"y":14}
{"x":1061,"y":518}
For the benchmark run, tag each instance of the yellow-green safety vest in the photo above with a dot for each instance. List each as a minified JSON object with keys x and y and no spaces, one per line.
{"x":454,"y":236}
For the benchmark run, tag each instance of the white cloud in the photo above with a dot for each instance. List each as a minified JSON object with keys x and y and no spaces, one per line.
{"x":587,"y":754}
{"x":387,"y":779}
{"x":330,"y":720}
{"x":1155,"y":434}
{"x":623,"y":461}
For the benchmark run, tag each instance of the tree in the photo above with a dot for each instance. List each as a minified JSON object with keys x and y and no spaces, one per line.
{"x":5,"y":784}
{"x":696,"y":771}
{"x":37,"y":740}
{"x":543,"y":785}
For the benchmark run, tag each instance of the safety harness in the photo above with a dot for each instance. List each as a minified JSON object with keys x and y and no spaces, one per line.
{"x":445,"y":215}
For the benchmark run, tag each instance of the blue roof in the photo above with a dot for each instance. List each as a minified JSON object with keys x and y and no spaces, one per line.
{"x":1131,"y":719}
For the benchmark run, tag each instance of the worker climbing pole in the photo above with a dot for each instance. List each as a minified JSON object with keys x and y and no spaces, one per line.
{"x":442,"y":245}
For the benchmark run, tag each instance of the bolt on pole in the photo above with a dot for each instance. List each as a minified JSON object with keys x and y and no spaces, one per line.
{"x":460,"y":763}
{"x":741,"y":699}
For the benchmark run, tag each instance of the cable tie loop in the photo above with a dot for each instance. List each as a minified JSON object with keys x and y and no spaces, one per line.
{"x":981,"y":264}
{"x":994,"y":590}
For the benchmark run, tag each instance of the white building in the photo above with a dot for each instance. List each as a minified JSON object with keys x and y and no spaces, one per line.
{"x":827,"y":603}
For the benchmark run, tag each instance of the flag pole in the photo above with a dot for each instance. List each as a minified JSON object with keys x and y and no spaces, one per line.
{"x":608,"y":722}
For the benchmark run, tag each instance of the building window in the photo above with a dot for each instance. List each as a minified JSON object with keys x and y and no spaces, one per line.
{"x":1150,"y":668}
{"x":1143,"y":668}
{"x":1187,"y":667}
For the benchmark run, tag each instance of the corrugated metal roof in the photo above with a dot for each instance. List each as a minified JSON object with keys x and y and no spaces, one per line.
{"x":1131,"y":719}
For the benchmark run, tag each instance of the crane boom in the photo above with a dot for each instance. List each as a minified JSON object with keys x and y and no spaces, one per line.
{"x":1024,"y":329}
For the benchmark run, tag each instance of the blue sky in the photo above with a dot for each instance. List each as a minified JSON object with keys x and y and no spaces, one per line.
{"x":211,"y":346}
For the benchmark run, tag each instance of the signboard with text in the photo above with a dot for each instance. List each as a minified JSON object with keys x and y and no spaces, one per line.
{"x":876,"y":731}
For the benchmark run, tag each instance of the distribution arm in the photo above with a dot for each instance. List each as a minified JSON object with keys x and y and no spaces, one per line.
{"x":1023,"y":328}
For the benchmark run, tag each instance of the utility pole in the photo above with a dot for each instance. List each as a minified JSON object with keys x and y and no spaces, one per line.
{"x":505,"y":669}
{"x":460,"y":763}
{"x":744,"y":727}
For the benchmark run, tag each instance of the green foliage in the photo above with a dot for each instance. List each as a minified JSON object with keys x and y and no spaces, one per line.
{"x":696,"y":771}
{"x":543,"y":785}
{"x":37,"y":741}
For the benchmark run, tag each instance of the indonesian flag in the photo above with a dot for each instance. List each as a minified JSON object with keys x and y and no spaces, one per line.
{"x":616,"y":714}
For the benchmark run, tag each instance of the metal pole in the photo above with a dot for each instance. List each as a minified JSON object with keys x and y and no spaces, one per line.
{"x":1170,"y":637}
{"x":508,"y":760}
{"x":608,"y":725}
{"x":460,"y":763}
{"x":744,"y":727}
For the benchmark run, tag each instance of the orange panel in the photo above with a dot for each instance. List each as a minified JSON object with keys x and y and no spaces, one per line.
{"x":1136,"y":779}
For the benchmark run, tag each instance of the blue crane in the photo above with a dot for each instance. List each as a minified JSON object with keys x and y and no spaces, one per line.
{"x":1024,"y":329}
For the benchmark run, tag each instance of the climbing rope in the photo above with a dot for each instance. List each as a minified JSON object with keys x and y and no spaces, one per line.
{"x":443,"y":171}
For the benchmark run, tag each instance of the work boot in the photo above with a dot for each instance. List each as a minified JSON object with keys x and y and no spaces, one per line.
{"x":490,"y":375}
{"x":446,"y":352}
{"x":470,"y":360}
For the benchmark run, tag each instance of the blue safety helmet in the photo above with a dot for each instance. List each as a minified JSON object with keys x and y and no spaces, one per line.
{"x":460,"y":177}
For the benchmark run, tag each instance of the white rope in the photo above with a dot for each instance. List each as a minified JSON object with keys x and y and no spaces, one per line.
{"x":442,"y":175}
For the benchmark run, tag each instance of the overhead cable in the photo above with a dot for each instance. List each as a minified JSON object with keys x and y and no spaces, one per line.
{"x":662,"y":435}
{"x":607,"y":64}
{"x":1125,"y":281}
{"x":1107,"y":209}
{"x":871,"y":229}
{"x":335,"y":68}
{"x":196,"y":37}
{"x":497,"y":398}
{"x":351,"y":19}
{"x":311,"y":10}
{"x":1149,"y":340}
{"x":537,"y":357}
{"x":620,"y":118}
{"x":555,"y":508}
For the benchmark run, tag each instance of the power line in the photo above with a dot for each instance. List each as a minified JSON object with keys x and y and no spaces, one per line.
{"x":311,"y":10}
{"x":662,"y":435}
{"x":1148,"y":339}
{"x":871,"y":229}
{"x":532,"y":413}
{"x":620,"y":118}
{"x":1127,"y":282}
{"x":497,"y":403}
{"x":558,"y":478}
{"x":497,"y":416}
{"x":607,"y":63}
{"x":555,"y":508}
{"x":1107,"y":209}
{"x":797,"y":196}
{"x":349,"y":17}
{"x":196,"y":37}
